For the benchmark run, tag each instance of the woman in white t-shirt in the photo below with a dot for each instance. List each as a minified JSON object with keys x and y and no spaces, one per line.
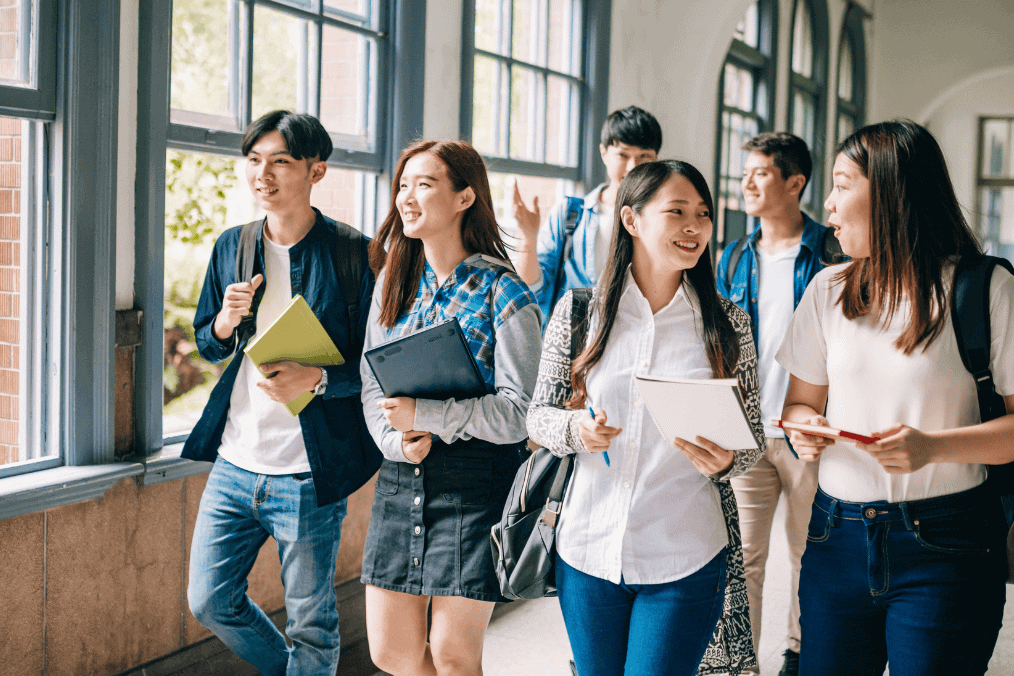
{"x":904,"y":561}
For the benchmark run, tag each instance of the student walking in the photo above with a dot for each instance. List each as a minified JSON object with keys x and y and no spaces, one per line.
{"x":648,"y":548}
{"x":904,"y":562}
{"x":766,"y":274}
{"x":275,"y":474}
{"x":448,"y":464}
{"x":573,"y":249}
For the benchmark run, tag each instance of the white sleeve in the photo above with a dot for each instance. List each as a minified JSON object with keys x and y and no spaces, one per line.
{"x":803,"y":352}
{"x":1001,"y":327}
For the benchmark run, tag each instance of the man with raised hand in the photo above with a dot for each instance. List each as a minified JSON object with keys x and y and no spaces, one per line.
{"x":766,"y":273}
{"x":572,"y":249}
{"x":275,"y":474}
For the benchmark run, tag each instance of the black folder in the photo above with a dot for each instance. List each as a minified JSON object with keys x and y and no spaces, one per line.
{"x":433,"y":363}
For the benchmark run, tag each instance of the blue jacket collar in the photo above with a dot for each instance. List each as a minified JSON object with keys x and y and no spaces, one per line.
{"x":319,"y":230}
{"x":813,"y":234}
{"x":591,"y":200}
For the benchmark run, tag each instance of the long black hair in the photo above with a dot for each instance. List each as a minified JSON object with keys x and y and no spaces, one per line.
{"x":720,"y":339}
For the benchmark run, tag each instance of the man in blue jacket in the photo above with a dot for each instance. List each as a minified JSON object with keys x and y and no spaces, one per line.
{"x":571,"y":251}
{"x":772,"y":268}
{"x":275,"y":474}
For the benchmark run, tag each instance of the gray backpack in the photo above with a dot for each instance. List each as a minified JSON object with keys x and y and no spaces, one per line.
{"x":524,"y":540}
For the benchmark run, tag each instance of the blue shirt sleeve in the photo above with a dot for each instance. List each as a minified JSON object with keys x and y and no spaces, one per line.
{"x":209,"y":346}
{"x":721,"y":272}
{"x":550,"y":246}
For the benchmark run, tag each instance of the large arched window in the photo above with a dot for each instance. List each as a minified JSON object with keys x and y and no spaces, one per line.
{"x":851,"y":75}
{"x":746,"y":107}
{"x":808,"y":91}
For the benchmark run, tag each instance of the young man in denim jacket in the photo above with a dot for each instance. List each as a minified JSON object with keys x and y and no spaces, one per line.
{"x":775,"y":266}
{"x":630,"y":137}
{"x":275,"y":474}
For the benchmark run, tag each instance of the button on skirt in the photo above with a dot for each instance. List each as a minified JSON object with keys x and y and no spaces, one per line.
{"x":430,"y":524}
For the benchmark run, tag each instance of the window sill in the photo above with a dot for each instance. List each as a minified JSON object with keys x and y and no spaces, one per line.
{"x":49,"y":488}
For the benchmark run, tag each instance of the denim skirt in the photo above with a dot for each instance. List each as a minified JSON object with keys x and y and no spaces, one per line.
{"x":430,"y":524}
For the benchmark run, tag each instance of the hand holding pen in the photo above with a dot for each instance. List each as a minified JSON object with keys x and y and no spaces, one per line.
{"x":595,"y":434}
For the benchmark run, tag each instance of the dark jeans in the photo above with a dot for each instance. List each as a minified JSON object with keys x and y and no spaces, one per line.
{"x":918,"y":585}
{"x":640,"y":629}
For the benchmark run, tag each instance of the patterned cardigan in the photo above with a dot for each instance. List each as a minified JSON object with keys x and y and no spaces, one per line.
{"x":549,"y":424}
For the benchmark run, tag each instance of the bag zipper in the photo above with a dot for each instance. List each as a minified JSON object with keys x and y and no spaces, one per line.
{"x":524,"y":492}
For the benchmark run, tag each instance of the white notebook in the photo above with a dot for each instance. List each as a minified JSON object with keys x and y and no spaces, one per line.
{"x":688,"y":408}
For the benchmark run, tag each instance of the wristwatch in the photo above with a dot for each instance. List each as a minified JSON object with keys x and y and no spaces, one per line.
{"x":322,"y":385}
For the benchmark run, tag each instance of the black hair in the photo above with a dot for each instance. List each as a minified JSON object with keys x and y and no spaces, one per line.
{"x":633,"y":127}
{"x":721,"y":342}
{"x":788,"y":152}
{"x":304,"y":135}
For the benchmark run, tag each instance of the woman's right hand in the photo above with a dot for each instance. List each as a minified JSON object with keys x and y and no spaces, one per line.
{"x":594,"y":433}
{"x":807,"y":446}
{"x":416,"y":445}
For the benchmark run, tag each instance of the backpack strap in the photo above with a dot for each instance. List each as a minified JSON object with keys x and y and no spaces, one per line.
{"x":348,"y":262}
{"x":737,"y":253}
{"x":831,"y":253}
{"x":574,"y":206}
{"x":246,"y":256}
{"x":970,"y":317}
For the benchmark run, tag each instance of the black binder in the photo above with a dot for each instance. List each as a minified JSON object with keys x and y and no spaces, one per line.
{"x":433,"y":363}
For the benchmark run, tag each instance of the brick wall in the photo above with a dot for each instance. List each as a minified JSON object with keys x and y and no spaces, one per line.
{"x":10,"y":282}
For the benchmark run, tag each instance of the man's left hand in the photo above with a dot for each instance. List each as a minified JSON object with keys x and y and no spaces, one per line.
{"x":289,"y":380}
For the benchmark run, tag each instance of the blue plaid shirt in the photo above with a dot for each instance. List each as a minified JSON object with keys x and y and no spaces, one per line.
{"x":468,"y":294}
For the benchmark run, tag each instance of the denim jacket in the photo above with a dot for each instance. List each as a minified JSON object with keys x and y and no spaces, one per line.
{"x":340,"y":450}
{"x":744,"y":288}
{"x":579,"y":268}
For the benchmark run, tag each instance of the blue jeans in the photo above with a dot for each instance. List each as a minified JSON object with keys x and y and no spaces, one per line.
{"x":640,"y":629}
{"x":918,"y":585}
{"x":239,"y":510}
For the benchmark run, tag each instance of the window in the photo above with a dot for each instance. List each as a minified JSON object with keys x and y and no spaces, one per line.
{"x":996,"y":185}
{"x":301,"y":55}
{"x":27,"y":107}
{"x":807,"y":96}
{"x":851,"y":75}
{"x":529,"y":70}
{"x":746,"y":91}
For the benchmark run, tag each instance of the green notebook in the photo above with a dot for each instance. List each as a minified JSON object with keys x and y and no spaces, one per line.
{"x":295,"y":335}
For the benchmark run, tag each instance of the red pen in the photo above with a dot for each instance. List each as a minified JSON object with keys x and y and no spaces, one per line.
{"x":823,"y":431}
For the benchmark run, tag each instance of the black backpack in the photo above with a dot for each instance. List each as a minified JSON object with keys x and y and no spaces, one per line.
{"x":574,"y":206}
{"x":348,"y":262}
{"x":970,"y":317}
{"x":830,"y":253}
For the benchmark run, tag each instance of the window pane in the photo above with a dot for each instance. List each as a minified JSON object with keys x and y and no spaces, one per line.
{"x":846,"y":125}
{"x":205,"y":195}
{"x":202,"y":61}
{"x":346,"y":82}
{"x":803,"y":116}
{"x":281,"y":62}
{"x":998,"y":221}
{"x":529,"y":28}
{"x":996,"y":148}
{"x":353,"y":10}
{"x":561,"y":123}
{"x":802,"y":41}
{"x":748,"y":28}
{"x":16,"y":235}
{"x":491,"y":25}
{"x":18,"y":51}
{"x":489,"y":95}
{"x":738,"y":88}
{"x":527,"y":113}
{"x":845,"y":72}
{"x":548,"y":190}
{"x":340,"y":195}
{"x":564,"y":47}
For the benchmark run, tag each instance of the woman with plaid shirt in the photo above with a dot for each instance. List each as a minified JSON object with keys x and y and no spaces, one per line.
{"x":448,"y":464}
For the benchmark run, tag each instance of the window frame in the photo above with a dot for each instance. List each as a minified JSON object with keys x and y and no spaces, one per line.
{"x":73,"y":291}
{"x":982,"y":183}
{"x":816,"y":87}
{"x":762,"y":62}
{"x":592,"y":84}
{"x":852,"y":33}
{"x":38,"y":101}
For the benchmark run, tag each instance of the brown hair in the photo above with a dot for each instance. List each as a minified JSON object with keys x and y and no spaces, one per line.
{"x":916,"y":228}
{"x":720,"y":340}
{"x":405,"y":260}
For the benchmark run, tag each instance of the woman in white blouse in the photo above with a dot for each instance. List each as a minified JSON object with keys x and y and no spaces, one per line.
{"x":904,"y":562}
{"x":648,"y":543}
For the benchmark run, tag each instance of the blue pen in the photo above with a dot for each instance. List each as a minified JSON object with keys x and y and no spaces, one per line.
{"x":605,"y":454}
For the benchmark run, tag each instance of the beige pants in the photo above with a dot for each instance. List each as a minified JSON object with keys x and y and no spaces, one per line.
{"x":779,"y":472}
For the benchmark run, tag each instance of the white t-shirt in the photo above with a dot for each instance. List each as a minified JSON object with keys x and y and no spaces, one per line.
{"x":775,"y":291}
{"x":260,"y":434}
{"x":872,"y":385}
{"x":603,"y":238}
